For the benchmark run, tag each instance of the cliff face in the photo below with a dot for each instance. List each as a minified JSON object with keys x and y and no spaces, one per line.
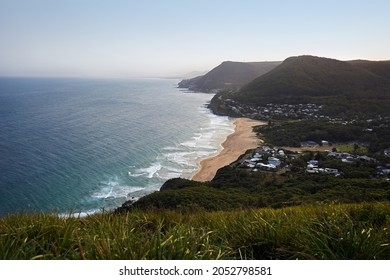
{"x":228,"y":75}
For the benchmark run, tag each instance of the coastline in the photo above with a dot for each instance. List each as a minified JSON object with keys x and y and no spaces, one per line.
{"x":236,"y":144}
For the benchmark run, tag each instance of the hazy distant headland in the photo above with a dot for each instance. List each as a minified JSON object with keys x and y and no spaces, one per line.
{"x":228,"y":75}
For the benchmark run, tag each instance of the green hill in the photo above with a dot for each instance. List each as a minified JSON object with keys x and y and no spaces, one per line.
{"x":228,"y":75}
{"x":355,"y":87}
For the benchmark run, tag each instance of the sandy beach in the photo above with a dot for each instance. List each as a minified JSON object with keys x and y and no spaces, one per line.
{"x":241,"y":140}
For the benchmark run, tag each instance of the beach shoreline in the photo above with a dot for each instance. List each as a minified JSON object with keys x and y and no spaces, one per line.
{"x":242,"y":139}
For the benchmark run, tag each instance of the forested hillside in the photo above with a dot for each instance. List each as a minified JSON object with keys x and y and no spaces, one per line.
{"x":343,"y":88}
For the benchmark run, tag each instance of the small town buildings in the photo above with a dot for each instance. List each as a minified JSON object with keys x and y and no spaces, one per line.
{"x":312,"y":163}
{"x":326,"y":171}
{"x":265,"y":167}
{"x":274,"y":161}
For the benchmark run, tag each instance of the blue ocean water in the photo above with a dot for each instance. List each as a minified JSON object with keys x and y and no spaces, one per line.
{"x":84,"y":145}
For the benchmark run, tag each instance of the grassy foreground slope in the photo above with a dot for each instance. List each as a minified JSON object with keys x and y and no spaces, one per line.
{"x":320,"y":231}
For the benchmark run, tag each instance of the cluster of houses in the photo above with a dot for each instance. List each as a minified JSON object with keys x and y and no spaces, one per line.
{"x":266,"y":159}
{"x":302,"y":111}
{"x":272,"y":160}
{"x":349,"y":158}
{"x":312,"y":168}
{"x":291,"y":111}
{"x":277,"y":111}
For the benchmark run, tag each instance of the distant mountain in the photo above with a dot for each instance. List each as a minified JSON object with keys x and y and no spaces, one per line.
{"x":355,"y":86}
{"x":228,"y":75}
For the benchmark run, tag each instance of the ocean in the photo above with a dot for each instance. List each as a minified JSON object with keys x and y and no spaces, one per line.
{"x":81,"y":146}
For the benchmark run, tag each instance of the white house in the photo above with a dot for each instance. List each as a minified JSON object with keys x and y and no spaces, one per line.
{"x":274,"y":161}
{"x":267,"y":167}
{"x":312,"y":163}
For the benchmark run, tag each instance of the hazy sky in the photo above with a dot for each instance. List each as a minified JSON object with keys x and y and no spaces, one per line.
{"x":118,"y":38}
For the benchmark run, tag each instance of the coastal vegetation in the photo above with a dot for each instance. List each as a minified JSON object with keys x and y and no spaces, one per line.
{"x":372,"y":134}
{"x":316,"y":231}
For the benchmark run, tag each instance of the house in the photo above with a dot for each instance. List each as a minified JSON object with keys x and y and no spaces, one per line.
{"x":366,"y":158}
{"x":250,"y":165}
{"x":274,"y":161}
{"x":257,"y":155}
{"x":324,"y":143}
{"x":348,"y":159}
{"x":266,"y":167}
{"x":332,"y":171}
{"x":334,"y":154}
{"x":312,"y":163}
{"x":383,"y":170}
{"x":326,"y":171}
{"x":346,"y":155}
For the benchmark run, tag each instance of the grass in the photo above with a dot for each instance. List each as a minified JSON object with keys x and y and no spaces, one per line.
{"x":321,"y":231}
{"x":350,"y":148}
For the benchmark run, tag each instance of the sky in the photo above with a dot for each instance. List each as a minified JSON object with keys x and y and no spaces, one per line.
{"x":146,"y":38}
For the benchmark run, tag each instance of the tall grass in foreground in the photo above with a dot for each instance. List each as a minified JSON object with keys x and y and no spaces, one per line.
{"x":323,"y":231}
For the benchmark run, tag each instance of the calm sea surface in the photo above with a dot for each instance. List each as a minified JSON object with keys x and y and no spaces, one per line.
{"x":83,"y":145}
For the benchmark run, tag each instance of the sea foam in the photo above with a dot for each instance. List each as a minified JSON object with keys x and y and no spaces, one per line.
{"x":182,"y":160}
